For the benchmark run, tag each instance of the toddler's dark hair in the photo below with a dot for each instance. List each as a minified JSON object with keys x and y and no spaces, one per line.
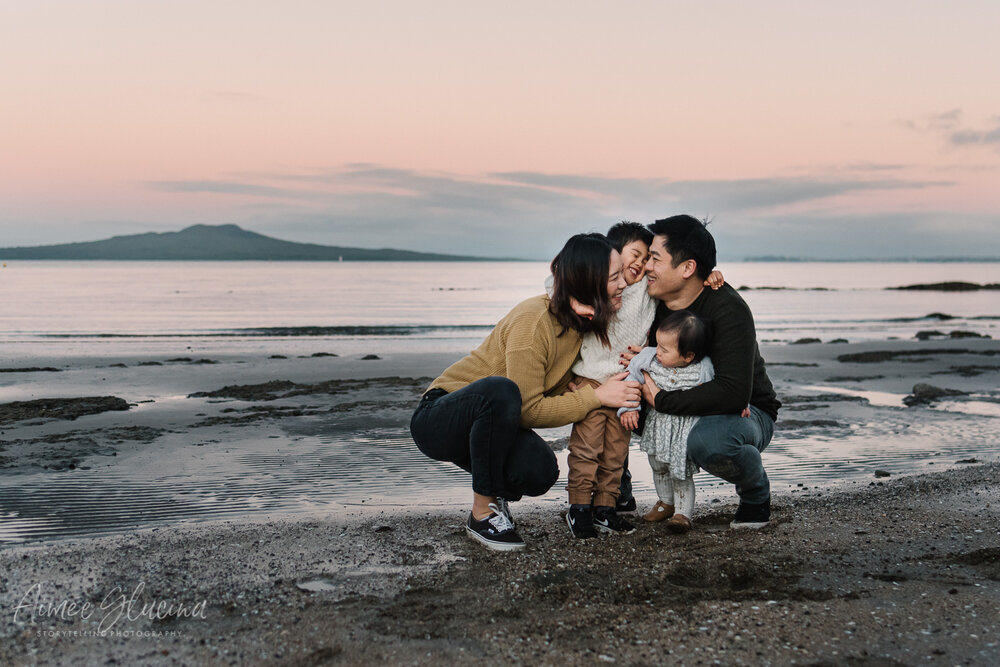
{"x":693,"y":333}
{"x":625,"y":232}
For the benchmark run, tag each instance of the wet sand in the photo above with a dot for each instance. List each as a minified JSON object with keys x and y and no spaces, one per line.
{"x":891,"y":570}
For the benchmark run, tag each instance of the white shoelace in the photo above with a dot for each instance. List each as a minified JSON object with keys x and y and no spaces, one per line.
{"x":499,"y":519}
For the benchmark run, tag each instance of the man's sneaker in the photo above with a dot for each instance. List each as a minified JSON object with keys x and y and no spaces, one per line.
{"x":752,"y":515}
{"x":504,"y":508}
{"x":580,"y":520}
{"x":495,"y":531}
{"x":607,"y":520}
{"x":623,"y":506}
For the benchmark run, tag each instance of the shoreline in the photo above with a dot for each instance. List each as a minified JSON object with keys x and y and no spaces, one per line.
{"x":896,"y":573}
{"x":284,"y":493}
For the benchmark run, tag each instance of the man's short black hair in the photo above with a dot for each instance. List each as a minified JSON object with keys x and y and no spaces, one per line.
{"x":687,"y":238}
{"x":626,"y":232}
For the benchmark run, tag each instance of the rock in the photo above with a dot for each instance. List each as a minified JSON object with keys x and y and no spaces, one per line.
{"x":59,"y":408}
{"x":926,"y":335}
{"x":966,"y":334}
{"x":925,"y":394}
{"x":805,"y":341}
{"x":883,"y":473}
{"x":370,"y":356}
{"x":838,"y":340}
{"x":323,"y":354}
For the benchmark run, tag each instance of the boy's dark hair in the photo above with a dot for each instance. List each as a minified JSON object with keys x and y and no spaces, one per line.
{"x":694,"y":334}
{"x":580,"y":270}
{"x":687,"y":238}
{"x":626,"y":231}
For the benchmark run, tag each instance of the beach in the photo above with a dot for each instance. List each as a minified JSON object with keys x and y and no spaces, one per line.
{"x":895,"y":563}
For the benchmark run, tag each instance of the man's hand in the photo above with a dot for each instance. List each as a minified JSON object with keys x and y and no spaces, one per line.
{"x":649,"y":389}
{"x":630,"y":420}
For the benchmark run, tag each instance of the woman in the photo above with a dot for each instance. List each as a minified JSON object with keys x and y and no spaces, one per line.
{"x":480,"y":412}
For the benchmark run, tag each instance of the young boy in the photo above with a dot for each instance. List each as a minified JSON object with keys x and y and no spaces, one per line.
{"x":598,"y":444}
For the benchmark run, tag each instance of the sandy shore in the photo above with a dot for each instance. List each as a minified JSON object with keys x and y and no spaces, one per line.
{"x":902,"y":569}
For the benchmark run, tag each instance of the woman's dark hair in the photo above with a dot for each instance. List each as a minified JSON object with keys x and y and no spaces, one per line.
{"x":580,"y":270}
{"x":693,"y":333}
{"x":625,"y":232}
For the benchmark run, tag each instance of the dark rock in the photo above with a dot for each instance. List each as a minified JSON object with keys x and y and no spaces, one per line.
{"x":925,"y":394}
{"x":59,"y":408}
{"x":180,"y":359}
{"x":205,"y":361}
{"x":32,"y":369}
{"x":967,"y":334}
{"x":953,"y":286}
{"x":150,"y":363}
{"x":838,"y":340}
{"x":972,"y":460}
{"x":883,"y":473}
{"x":805,"y":341}
{"x":853,"y":378}
{"x":885,"y":355}
{"x":925,"y":335}
{"x":323,"y":354}
{"x":370,"y":356}
{"x":277,"y":356}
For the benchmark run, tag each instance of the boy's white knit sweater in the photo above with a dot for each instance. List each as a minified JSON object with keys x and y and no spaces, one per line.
{"x":629,"y":326}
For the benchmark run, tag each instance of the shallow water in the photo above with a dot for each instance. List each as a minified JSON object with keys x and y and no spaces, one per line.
{"x":278,"y":473}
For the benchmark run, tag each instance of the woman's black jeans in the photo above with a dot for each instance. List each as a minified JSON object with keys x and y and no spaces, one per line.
{"x":478,"y":429}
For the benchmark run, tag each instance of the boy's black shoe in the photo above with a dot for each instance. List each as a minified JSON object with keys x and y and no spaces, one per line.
{"x":580,"y":520}
{"x":623,"y":506}
{"x":495,"y":531}
{"x":607,"y":520}
{"x":752,"y":515}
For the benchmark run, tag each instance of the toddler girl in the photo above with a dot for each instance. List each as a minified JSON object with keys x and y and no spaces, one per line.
{"x":677,"y":362}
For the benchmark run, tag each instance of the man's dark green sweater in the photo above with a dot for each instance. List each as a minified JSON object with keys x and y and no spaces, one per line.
{"x":740,"y":376}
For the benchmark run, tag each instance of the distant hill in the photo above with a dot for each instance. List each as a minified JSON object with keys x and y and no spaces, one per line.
{"x":218,"y":242}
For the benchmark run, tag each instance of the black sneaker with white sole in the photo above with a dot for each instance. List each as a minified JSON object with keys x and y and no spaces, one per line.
{"x":752,"y":515}
{"x":495,"y":531}
{"x":580,"y":520}
{"x":607,"y":520}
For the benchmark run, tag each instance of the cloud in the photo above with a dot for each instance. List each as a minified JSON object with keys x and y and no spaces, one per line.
{"x":935,"y":122}
{"x":989,"y":137}
{"x":224,"y":188}
{"x":508,"y":214}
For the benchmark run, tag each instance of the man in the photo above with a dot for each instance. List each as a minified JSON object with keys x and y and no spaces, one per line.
{"x":722,"y":442}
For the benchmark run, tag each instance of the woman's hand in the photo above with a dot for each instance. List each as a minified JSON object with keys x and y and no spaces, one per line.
{"x":626,"y":356}
{"x":630,"y":420}
{"x":715,"y":280}
{"x":649,"y":389}
{"x":616,"y":392}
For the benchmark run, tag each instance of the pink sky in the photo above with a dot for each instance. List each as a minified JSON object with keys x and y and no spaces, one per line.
{"x":476,"y":123}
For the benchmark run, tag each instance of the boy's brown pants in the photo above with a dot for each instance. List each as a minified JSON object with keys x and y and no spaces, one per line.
{"x":598,"y":446}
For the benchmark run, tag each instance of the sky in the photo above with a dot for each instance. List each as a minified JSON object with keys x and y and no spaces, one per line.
{"x":826,"y":130}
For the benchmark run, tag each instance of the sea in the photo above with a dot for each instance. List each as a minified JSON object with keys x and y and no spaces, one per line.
{"x":96,"y":309}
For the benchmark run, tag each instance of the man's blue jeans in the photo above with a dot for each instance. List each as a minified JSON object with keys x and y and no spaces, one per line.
{"x":729,"y":446}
